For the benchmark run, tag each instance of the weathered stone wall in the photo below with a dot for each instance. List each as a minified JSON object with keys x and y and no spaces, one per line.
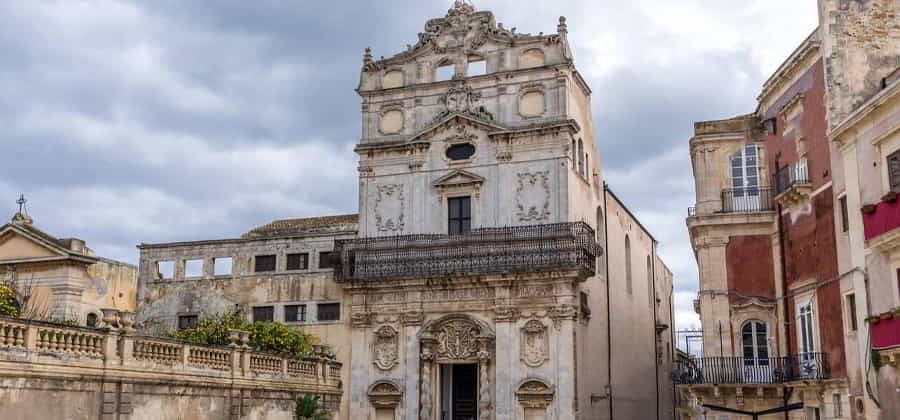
{"x":52,"y":372}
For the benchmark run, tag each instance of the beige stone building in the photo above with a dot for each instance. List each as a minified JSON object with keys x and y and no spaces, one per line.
{"x":490,"y":272}
{"x":61,"y":278}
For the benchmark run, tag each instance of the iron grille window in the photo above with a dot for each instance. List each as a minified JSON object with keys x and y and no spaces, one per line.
{"x":326,"y":260}
{"x":264,"y":263}
{"x":263,"y":314}
{"x":297,"y":261}
{"x":893,"y":163}
{"x":328,"y":312}
{"x":186,"y":321}
{"x":295,"y":313}
{"x":459,"y":213}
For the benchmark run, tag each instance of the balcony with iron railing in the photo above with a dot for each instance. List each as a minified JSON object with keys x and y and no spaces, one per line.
{"x":559,"y":246}
{"x":792,"y":183}
{"x":741,"y":370}
{"x":747,"y":200}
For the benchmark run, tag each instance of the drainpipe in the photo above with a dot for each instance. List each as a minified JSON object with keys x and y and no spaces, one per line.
{"x":608,"y":310}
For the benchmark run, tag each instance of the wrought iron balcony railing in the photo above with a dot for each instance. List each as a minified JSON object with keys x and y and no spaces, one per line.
{"x":740,"y":370}
{"x":481,"y":251}
{"x":747,"y":200}
{"x":788,"y":176}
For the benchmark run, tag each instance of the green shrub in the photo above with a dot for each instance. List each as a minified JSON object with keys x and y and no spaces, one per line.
{"x":309,"y":408}
{"x":264,"y":336}
{"x":9,"y":305}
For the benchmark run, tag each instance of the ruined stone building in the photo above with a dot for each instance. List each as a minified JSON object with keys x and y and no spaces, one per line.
{"x":787,"y":256}
{"x":61,"y":278}
{"x":490,"y":272}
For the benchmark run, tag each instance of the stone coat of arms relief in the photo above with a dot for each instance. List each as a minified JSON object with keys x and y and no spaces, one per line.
{"x":457,"y":340}
{"x":534,"y":343}
{"x":385,"y":351}
{"x":389,"y":208}
{"x":533,"y":196}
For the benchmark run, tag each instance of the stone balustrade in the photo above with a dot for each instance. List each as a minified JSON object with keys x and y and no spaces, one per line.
{"x":112,"y":350}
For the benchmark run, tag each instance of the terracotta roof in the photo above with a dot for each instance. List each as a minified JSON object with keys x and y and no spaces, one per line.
{"x":347,"y":223}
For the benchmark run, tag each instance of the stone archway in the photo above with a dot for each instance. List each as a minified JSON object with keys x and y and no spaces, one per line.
{"x":456,"y":339}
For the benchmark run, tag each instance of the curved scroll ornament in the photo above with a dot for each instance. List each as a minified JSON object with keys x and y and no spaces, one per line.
{"x":386,"y":348}
{"x":534,"y":343}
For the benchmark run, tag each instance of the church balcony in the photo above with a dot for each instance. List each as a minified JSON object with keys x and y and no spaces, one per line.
{"x":751,"y":371}
{"x":560,"y":246}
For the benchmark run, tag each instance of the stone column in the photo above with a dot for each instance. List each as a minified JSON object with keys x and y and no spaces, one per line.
{"x":564,"y":321}
{"x":426,"y":408}
{"x":505,"y":318}
{"x":359,"y":365}
{"x":412,"y":322}
{"x":485,"y":404}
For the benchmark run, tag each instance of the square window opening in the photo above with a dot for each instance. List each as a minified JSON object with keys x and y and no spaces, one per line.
{"x":222,"y":266}
{"x":165,"y":269}
{"x":477,"y":66}
{"x":328,"y":312}
{"x":298,"y":261}
{"x":193,"y":268}
{"x":264,"y":263}
{"x":444,"y":72}
{"x":295,"y":313}
{"x":263,"y":314}
{"x":187,"y":321}
{"x":326,"y":260}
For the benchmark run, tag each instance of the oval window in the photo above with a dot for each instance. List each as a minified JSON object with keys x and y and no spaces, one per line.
{"x":460,"y":151}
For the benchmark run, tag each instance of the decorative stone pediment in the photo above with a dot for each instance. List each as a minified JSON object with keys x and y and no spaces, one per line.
{"x":458,"y":179}
{"x":534,"y":393}
{"x":458,"y":124}
{"x":384,"y":394}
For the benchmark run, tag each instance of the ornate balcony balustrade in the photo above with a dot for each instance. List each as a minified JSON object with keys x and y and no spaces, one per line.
{"x":740,"y":370}
{"x":481,"y":251}
{"x":792,"y":175}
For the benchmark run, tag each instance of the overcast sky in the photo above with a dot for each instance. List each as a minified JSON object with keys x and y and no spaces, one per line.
{"x":165,"y":120}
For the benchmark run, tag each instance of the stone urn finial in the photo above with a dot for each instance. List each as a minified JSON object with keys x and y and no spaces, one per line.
{"x":126,"y":321}
{"x":110,"y":318}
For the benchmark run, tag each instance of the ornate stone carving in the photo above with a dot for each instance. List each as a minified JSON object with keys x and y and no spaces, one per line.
{"x":534,"y":393}
{"x":385,"y":351}
{"x":384,"y":394}
{"x":389,"y":208}
{"x":505,"y":313}
{"x":562,"y":312}
{"x":412,"y":318}
{"x":457,"y":339}
{"x":361,"y":319}
{"x":533,"y":196}
{"x":534,"y":343}
{"x":460,"y":98}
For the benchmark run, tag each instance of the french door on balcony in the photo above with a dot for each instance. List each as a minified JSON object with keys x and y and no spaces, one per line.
{"x":808,"y":363}
{"x":757,"y":364}
{"x":745,"y":179}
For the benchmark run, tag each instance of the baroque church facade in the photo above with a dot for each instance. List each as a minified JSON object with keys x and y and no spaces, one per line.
{"x":490,"y":272}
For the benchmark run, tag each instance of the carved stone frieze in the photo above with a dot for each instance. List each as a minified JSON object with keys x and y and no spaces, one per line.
{"x":535,"y":393}
{"x":412,"y":318}
{"x":533,"y":196}
{"x":384,"y":394}
{"x":534,"y":343}
{"x":389,"y":208}
{"x":506,"y":313}
{"x":361,"y":319}
{"x":385,"y":350}
{"x":562,"y":312}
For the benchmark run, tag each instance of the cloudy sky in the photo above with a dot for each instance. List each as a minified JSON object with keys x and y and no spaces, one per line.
{"x":164,"y":120}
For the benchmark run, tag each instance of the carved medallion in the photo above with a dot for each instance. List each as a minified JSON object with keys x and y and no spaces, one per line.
{"x":533,"y":196}
{"x":460,"y":98}
{"x":534,"y":342}
{"x":385,"y":349}
{"x":389,"y":208}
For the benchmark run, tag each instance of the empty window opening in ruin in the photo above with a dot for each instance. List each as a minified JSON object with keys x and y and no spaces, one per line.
{"x":222,"y":266}
{"x":444,"y":71}
{"x":165,"y":269}
{"x":297,"y":261}
{"x":193,"y":268}
{"x":477,"y":66}
{"x":264,"y":263}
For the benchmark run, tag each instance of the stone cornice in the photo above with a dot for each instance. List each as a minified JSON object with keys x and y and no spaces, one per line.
{"x":845,"y":132}
{"x":798,"y":62}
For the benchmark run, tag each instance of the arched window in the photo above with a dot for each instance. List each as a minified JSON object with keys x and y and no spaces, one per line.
{"x":580,"y":157}
{"x":754,"y":341}
{"x":650,"y":290}
{"x":628,"y":286}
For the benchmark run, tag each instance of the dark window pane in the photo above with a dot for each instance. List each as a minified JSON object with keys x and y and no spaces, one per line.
{"x":325,"y":260}
{"x":263,"y":314}
{"x":328,"y":311}
{"x":845,"y":216}
{"x":295,"y":313}
{"x":460,"y":151}
{"x":460,"y":215}
{"x":265,"y":263}
{"x":297,"y":261}
{"x":893,"y":161}
{"x":454,"y":228}
{"x":92,"y":320}
{"x":186,"y":321}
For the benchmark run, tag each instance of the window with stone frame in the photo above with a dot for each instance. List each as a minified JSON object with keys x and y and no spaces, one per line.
{"x":893,"y":168}
{"x":459,"y":215}
{"x":326,"y":260}
{"x":295,"y":313}
{"x":845,"y":215}
{"x":264,"y":263}
{"x":263,"y":313}
{"x":328,"y":312}
{"x":298,"y":261}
